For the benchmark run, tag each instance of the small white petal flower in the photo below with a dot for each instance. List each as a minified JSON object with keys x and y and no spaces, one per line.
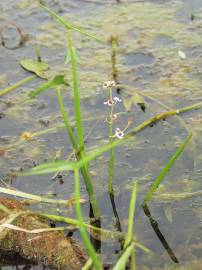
{"x":109,"y":84}
{"x":109,"y":102}
{"x":119,"y":133}
{"x":114,"y":117}
{"x":117,"y":99}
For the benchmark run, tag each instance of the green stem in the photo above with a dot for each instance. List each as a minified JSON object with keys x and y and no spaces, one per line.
{"x":112,"y":152}
{"x":14,"y":86}
{"x":167,"y":167}
{"x":81,"y":153}
{"x":121,"y":263}
{"x":133,"y":260}
{"x":68,"y":25}
{"x":88,"y":264}
{"x":96,"y":261}
{"x":90,"y":190}
{"x":77,"y":109}
{"x":129,"y":236}
{"x":66,"y":119}
{"x":84,"y":171}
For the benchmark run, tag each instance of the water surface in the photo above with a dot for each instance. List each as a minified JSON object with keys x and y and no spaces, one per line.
{"x":150,"y":35}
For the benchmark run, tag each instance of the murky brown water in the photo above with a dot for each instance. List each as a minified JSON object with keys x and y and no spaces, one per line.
{"x":150,"y":36}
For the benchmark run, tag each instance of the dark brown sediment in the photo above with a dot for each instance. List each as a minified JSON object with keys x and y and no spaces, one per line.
{"x":51,"y":249}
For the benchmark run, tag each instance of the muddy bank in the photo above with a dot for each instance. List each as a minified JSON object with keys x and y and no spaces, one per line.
{"x":50,"y":249}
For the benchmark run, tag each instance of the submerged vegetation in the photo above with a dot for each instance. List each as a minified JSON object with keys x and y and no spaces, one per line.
{"x":122,"y":133}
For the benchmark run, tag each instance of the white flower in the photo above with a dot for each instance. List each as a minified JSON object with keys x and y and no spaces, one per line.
{"x":116,"y":99}
{"x":114,"y":117}
{"x":109,"y":102}
{"x":113,"y":101}
{"x":119,"y":133}
{"x":109,"y":84}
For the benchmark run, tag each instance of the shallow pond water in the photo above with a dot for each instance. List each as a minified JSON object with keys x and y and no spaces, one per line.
{"x":150,"y":36}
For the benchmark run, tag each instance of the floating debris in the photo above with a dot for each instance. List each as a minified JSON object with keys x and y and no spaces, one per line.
{"x":182,"y":55}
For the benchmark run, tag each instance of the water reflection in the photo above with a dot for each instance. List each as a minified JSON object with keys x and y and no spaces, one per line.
{"x":159,"y":234}
{"x":95,"y":238}
{"x":116,"y":215}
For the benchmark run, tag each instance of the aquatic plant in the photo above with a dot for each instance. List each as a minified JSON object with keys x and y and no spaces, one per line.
{"x":117,"y":136}
{"x":77,"y":143}
{"x":165,"y":170}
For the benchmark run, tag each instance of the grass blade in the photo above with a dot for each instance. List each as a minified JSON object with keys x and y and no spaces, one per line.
{"x":8,"y":225}
{"x":96,"y":261}
{"x":63,"y":165}
{"x":84,"y":171}
{"x":167,"y":167}
{"x":31,"y":196}
{"x":41,"y":89}
{"x":66,"y":120}
{"x":70,"y":166}
{"x":129,"y":235}
{"x":80,"y":153}
{"x":88,"y":265}
{"x":68,"y":25}
{"x":77,"y":108}
{"x":56,"y":81}
{"x":133,"y":260}
{"x":16,"y":85}
{"x":121,"y":263}
{"x":50,"y":167}
{"x":9,"y":219}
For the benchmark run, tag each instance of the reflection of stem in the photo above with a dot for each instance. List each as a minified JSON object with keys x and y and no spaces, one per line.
{"x":118,"y":223}
{"x":156,"y":229}
{"x":117,"y":220}
{"x":96,"y":242}
{"x":114,"y":43}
